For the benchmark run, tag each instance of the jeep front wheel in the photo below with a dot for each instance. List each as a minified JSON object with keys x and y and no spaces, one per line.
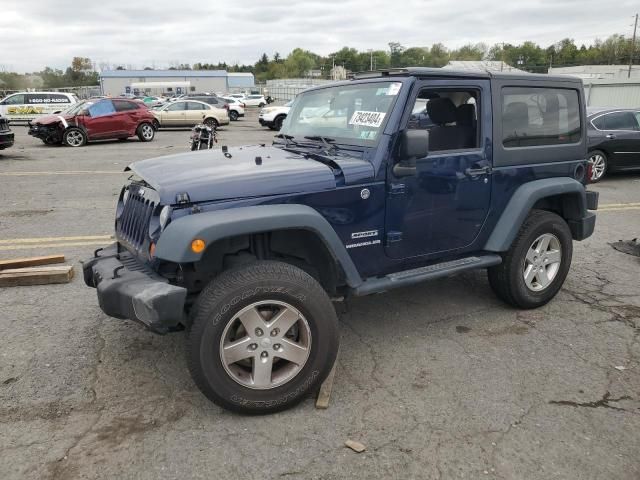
{"x":263,"y":336}
{"x":535,"y":267}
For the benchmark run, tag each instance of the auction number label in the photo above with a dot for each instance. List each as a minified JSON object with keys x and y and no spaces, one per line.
{"x":367,"y":119}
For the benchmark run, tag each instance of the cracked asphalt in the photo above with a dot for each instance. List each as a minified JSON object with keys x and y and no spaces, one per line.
{"x":439,"y":380}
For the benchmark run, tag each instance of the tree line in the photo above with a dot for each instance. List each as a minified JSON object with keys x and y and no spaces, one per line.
{"x":529,"y":56}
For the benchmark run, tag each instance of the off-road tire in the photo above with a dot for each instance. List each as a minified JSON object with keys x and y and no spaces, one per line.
{"x":219,"y":304}
{"x":507,"y":280}
{"x":233,"y":115}
{"x":146,"y":132}
{"x":74,"y":137}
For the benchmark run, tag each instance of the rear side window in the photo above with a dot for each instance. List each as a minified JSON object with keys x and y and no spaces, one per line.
{"x":539,"y":116}
{"x":124,"y":106}
{"x":46,"y":98}
{"x":196,"y":106}
{"x":616,"y":121}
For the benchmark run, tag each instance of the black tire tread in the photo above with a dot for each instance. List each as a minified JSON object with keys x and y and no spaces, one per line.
{"x":500,"y":276}
{"x":228,"y":281}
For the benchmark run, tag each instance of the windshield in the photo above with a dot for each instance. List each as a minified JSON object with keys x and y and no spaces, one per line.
{"x":350,"y":114}
{"x":76,"y":107}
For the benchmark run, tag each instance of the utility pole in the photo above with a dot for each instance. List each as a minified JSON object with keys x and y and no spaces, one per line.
{"x":371,"y":62}
{"x":633,"y":46}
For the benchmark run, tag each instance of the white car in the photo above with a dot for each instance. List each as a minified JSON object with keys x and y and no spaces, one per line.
{"x":29,"y":105}
{"x":273,"y":117}
{"x":236,"y":107}
{"x":255,"y":101}
{"x":237,"y":96}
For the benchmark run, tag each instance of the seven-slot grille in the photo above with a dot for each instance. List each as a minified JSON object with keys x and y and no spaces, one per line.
{"x":133,"y":226}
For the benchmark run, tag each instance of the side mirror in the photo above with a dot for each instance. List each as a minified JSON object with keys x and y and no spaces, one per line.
{"x":85,"y":113}
{"x":413,"y":144}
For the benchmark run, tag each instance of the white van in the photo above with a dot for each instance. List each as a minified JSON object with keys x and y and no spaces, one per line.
{"x":29,"y":105}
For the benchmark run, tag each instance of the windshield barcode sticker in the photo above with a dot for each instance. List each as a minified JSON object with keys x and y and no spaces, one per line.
{"x":367,"y":119}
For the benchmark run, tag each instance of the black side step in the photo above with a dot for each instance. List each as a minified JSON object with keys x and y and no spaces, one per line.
{"x":416,"y":275}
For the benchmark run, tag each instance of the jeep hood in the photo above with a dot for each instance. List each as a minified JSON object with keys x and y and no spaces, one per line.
{"x":253,"y":171}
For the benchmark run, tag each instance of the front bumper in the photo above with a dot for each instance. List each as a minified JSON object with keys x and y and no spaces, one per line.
{"x":128,"y":289}
{"x":6,"y":140}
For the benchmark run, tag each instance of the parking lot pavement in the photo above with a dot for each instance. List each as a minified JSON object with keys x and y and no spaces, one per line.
{"x":438,"y":380}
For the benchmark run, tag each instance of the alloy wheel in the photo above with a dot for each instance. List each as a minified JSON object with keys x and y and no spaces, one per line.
{"x":75,"y":138}
{"x":147,"y":132}
{"x":265,"y":344}
{"x":598,"y":166}
{"x":542,"y":262}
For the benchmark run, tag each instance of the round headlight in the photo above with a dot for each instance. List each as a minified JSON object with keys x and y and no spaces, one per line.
{"x":125,"y":196}
{"x":165,"y":213}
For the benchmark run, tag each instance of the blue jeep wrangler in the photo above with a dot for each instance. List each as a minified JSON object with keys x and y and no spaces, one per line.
{"x":375,"y":183}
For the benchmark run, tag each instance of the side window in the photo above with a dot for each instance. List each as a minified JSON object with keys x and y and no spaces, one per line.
{"x":34,"y":99}
{"x":539,"y":116}
{"x":124,"y":106}
{"x":449,"y":115}
{"x":101,"y":109}
{"x":196,"y":106}
{"x":58,"y":98}
{"x":618,"y":121}
{"x":600,"y":122}
{"x":15,"y":100}
{"x":177,"y":107}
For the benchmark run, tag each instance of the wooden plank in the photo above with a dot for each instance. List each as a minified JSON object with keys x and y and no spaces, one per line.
{"x":36,"y":276}
{"x":324,"y":394}
{"x":31,"y":261}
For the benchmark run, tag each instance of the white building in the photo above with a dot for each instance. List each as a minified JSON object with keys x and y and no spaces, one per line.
{"x":116,"y":82}
{"x":598,"y":72}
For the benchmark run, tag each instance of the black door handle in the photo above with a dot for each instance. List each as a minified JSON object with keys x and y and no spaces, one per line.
{"x":473,"y":172}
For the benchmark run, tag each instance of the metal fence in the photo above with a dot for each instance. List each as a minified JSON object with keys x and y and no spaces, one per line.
{"x":286,"y":89}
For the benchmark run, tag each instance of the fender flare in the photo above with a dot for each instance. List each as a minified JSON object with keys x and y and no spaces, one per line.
{"x":174,"y":244}
{"x":523,"y":200}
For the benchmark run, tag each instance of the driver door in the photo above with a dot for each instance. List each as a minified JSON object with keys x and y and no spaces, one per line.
{"x":174,"y":115}
{"x":443,"y":206}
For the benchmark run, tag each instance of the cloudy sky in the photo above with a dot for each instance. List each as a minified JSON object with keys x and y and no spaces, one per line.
{"x":37,"y":33}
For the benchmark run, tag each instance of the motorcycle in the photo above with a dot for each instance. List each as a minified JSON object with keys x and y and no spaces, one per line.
{"x":203,"y":137}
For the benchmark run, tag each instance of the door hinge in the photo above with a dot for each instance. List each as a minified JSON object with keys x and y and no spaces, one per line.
{"x":393,"y":237}
{"x":397,"y":189}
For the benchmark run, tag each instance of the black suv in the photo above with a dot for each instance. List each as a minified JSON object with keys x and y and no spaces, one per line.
{"x":245,"y":247}
{"x":6,"y":135}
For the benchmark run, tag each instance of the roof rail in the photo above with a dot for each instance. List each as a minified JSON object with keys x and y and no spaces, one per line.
{"x":380,"y":73}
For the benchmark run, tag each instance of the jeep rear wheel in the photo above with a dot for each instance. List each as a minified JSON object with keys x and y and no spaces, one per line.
{"x":535,"y":267}
{"x":263,"y":336}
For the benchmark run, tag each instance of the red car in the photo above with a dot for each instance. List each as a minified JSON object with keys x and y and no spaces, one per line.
{"x":98,"y":119}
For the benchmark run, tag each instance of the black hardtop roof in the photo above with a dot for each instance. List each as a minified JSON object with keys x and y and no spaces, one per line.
{"x":447,"y":73}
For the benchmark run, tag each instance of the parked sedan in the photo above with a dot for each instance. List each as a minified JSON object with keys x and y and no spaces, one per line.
{"x":95,"y":120}
{"x":187,"y":113}
{"x":614,"y":141}
{"x":6,"y":135}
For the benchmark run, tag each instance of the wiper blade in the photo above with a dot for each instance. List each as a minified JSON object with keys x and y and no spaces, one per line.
{"x":326,"y":140}
{"x":287,"y":138}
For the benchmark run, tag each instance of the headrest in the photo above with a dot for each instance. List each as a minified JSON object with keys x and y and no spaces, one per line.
{"x":466,"y":115}
{"x":441,"y":110}
{"x":516,"y":113}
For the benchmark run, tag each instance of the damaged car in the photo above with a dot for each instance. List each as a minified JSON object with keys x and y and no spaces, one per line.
{"x":99,"y":119}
